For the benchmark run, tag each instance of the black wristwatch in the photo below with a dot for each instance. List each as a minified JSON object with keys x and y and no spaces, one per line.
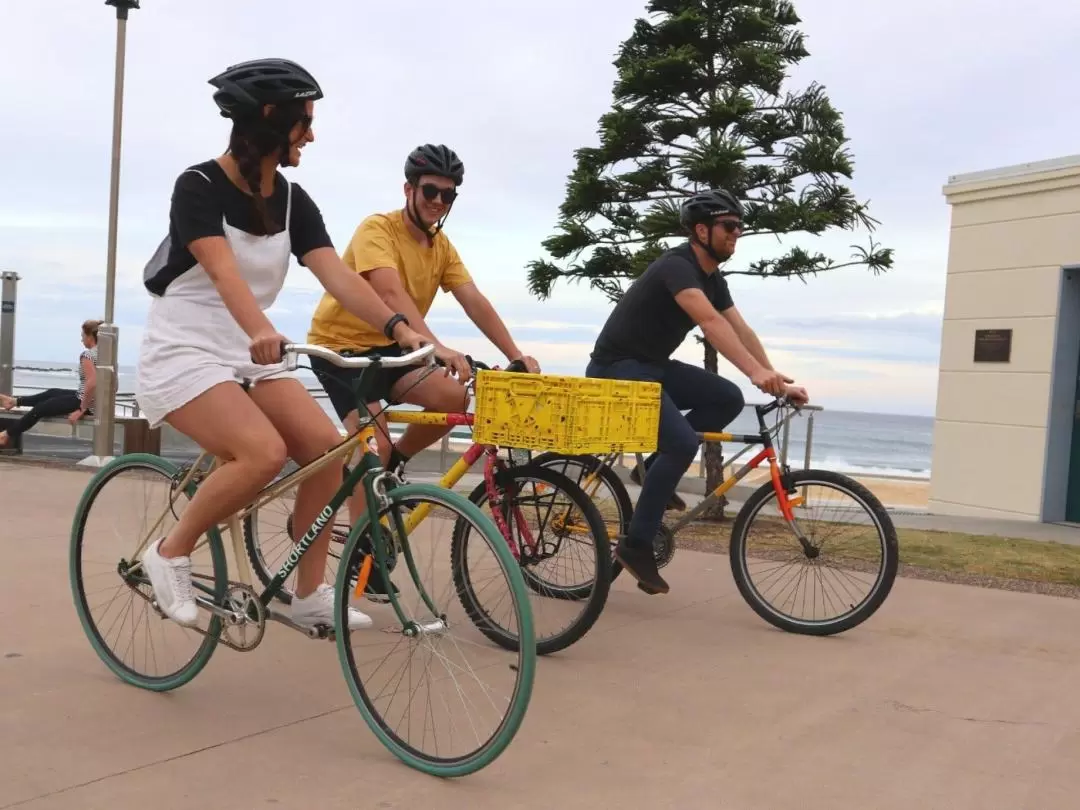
{"x":395,"y":319}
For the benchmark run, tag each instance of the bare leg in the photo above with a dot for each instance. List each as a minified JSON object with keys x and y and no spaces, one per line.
{"x":437,"y":393}
{"x":226,"y":422}
{"x":308,"y":433}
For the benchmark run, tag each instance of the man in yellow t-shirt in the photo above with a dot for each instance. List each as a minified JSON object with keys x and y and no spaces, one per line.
{"x":407,"y":259}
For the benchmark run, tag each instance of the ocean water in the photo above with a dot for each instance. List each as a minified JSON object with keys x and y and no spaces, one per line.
{"x":847,"y":441}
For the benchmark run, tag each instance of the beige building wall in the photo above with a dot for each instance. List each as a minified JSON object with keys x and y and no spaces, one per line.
{"x":1013,"y":233}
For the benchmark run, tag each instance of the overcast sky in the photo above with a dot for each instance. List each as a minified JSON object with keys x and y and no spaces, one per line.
{"x":927,"y":89}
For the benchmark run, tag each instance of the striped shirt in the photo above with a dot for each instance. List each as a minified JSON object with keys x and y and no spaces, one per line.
{"x":92,"y":354}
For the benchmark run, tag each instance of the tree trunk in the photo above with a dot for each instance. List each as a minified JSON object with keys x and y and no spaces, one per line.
{"x":713,"y":455}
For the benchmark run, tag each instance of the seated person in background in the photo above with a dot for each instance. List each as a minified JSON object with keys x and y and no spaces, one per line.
{"x":58,"y":401}
{"x":407,"y":258}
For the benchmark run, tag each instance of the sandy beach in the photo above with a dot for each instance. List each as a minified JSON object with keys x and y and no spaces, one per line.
{"x":893,"y":492}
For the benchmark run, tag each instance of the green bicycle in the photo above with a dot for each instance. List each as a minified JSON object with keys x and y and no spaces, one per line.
{"x":417,"y":628}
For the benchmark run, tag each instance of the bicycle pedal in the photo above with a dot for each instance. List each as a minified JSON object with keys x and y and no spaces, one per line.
{"x":319,"y":631}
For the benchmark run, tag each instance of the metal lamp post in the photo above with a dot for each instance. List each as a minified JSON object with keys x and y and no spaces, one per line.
{"x":108,"y":333}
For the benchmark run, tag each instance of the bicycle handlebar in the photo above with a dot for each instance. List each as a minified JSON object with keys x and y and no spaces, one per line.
{"x":476,"y":365}
{"x":291,"y":352}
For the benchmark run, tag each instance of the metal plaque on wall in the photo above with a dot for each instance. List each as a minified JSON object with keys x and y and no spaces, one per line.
{"x":993,"y":345}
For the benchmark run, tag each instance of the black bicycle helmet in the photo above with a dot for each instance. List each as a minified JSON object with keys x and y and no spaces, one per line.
{"x":247,"y":86}
{"x":704,"y":206}
{"x":434,"y":159}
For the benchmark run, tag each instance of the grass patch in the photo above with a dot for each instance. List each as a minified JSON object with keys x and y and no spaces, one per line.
{"x":960,"y":555}
{"x":982,"y":555}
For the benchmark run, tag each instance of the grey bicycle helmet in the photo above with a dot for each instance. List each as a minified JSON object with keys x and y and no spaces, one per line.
{"x":245,"y":87}
{"x":705,"y":206}
{"x":434,"y":159}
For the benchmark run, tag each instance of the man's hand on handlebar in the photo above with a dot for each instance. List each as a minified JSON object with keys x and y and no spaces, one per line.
{"x":797,"y":395}
{"x":409,"y":338}
{"x":454,"y":361}
{"x":529,"y":363}
{"x":770,"y":382}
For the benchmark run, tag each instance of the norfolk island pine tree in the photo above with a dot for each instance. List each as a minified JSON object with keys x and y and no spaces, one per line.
{"x":700,"y":102}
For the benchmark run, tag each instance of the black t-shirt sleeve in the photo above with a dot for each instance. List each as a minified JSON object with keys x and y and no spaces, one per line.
{"x":679,"y":274}
{"x":307,"y":231}
{"x":722,"y":300}
{"x":196,"y":209}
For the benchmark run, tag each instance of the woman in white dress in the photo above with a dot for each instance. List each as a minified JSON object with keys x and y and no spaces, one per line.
{"x":234,"y":222}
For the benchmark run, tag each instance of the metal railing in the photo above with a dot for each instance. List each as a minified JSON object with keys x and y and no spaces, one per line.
{"x":126,"y":400}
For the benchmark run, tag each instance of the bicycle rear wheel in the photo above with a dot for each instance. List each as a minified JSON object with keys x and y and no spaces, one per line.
{"x":269,"y":538}
{"x":765,"y":549}
{"x":112,"y":595}
{"x":435,"y":634}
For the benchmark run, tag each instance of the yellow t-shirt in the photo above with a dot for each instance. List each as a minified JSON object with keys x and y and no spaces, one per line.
{"x":382,"y":240}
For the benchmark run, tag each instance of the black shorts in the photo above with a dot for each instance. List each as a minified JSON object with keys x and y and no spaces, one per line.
{"x":341,"y":384}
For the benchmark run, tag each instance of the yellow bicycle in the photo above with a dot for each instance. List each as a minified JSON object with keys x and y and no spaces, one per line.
{"x":553,"y":529}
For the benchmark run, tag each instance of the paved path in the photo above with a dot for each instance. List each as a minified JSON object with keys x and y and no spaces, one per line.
{"x":428,"y":466}
{"x":951,"y":697}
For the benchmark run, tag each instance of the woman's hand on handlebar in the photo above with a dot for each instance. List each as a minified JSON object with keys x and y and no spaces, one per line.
{"x":266,"y":347}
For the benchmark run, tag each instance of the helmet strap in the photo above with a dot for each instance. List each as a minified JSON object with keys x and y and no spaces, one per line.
{"x":707,"y":246}
{"x":415,"y":218}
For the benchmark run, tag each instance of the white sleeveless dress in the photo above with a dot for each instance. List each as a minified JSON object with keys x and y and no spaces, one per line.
{"x":192,"y":342}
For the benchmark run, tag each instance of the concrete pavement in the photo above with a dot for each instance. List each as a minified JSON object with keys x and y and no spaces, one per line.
{"x":950,"y":697}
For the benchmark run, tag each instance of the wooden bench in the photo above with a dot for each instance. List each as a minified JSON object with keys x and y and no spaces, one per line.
{"x":137,"y":435}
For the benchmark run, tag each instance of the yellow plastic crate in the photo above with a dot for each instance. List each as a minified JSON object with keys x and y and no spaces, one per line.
{"x":575,"y":415}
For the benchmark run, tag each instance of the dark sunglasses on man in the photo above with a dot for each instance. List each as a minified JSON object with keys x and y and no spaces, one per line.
{"x":430,"y":191}
{"x":729,"y":225}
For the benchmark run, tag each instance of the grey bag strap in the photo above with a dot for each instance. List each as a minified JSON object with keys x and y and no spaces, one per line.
{"x":160,"y":257}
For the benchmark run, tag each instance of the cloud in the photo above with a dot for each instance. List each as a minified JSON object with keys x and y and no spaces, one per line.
{"x":516,"y":108}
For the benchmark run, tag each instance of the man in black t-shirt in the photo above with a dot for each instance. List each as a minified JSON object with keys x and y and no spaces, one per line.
{"x":679,"y":290}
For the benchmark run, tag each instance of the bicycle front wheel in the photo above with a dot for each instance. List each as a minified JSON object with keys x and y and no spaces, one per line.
{"x":452,"y":680}
{"x":562,"y":547}
{"x":827,"y":571}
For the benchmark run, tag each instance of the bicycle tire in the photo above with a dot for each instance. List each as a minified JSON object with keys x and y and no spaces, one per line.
{"x":526,"y":667}
{"x":596,"y":593}
{"x":589,"y":464}
{"x":199,"y":660}
{"x":882,"y":586}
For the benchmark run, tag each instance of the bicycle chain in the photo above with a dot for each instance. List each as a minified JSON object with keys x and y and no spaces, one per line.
{"x":223,"y":635}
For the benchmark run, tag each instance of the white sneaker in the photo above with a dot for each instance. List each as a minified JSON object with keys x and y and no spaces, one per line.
{"x":318,"y":608}
{"x":171,"y":580}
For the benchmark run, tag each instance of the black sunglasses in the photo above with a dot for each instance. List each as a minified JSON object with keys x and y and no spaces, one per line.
{"x":430,"y":191}
{"x":729,"y":225}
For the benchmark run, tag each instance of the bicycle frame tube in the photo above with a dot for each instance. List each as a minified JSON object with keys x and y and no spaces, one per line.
{"x":369,"y":462}
{"x":458,"y":470}
{"x":767,"y":453}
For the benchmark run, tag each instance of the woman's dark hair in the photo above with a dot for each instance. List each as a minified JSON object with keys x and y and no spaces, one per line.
{"x":253,"y":138}
{"x":91,"y":328}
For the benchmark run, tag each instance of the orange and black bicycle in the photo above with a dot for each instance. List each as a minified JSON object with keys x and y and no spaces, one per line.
{"x":804,"y":572}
